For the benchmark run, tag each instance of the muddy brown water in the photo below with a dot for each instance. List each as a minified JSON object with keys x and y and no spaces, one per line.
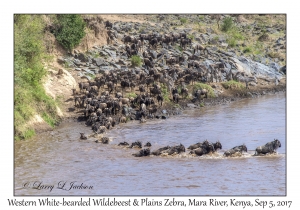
{"x":49,"y":163}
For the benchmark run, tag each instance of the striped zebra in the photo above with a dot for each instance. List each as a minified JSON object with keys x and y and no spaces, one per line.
{"x":246,"y":80}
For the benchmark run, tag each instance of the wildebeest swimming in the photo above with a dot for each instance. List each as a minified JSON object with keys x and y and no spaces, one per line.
{"x":235,"y":151}
{"x":204,"y":148}
{"x":82,"y":136}
{"x":269,"y":147}
{"x":200,"y":149}
{"x":143,"y":152}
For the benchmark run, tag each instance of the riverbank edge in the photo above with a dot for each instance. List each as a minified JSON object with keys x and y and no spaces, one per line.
{"x":186,"y":104}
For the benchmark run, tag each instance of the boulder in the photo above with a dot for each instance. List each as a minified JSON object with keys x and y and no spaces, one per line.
{"x":98,"y":61}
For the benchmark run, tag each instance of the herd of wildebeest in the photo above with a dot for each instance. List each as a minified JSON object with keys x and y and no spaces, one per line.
{"x":103,"y":103}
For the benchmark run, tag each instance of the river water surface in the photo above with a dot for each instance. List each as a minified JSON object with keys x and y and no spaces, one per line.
{"x":59,"y":157}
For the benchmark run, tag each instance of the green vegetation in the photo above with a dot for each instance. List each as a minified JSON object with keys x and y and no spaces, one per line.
{"x":165,"y":93}
{"x":131,"y":94}
{"x":216,"y":38}
{"x":136,"y":61}
{"x":183,"y":20}
{"x":179,"y":48}
{"x":278,"y":55}
{"x":93,"y":76}
{"x":247,"y":50}
{"x":201,"y":17}
{"x":48,"y":119}
{"x":191,"y":36}
{"x":233,"y":84}
{"x":29,"y":54}
{"x":199,"y":85}
{"x":227,"y":24}
{"x":232,"y":42}
{"x":234,"y":36}
{"x":70,"y":30}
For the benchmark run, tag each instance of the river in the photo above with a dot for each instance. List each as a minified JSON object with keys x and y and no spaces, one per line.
{"x":50,"y":162}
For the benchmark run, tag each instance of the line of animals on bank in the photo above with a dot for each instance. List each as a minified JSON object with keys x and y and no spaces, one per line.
{"x":198,"y":149}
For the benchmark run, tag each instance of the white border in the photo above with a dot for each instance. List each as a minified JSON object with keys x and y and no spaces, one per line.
{"x":8,"y":8}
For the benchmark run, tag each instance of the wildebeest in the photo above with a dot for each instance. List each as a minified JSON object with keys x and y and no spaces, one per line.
{"x":160,"y":99}
{"x":108,"y":24}
{"x":203,"y":150}
{"x":103,"y":140}
{"x":195,"y":146}
{"x":198,"y":93}
{"x":123,"y":119}
{"x":176,"y":149}
{"x":136,"y":144}
{"x":184,"y":92}
{"x":148,"y":63}
{"x":217,"y":145}
{"x":143,"y":152}
{"x":235,"y":151}
{"x":126,"y":39}
{"x":176,"y":98}
{"x":199,"y":47}
{"x":148,"y":144}
{"x":124,"y":143}
{"x":82,"y":136}
{"x":270,"y":147}
{"x":160,"y":150}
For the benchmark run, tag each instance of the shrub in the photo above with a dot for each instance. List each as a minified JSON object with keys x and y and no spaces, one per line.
{"x":231,"y":42}
{"x":183,"y":20}
{"x":232,"y":84}
{"x":165,"y":93}
{"x":70,"y":30}
{"x":201,"y":17}
{"x":227,"y":24}
{"x":136,"y":61}
{"x":131,"y":94}
{"x":247,"y":50}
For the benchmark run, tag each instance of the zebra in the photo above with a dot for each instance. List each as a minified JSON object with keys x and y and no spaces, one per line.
{"x":246,"y":80}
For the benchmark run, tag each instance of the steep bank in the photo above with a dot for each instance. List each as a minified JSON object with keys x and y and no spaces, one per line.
{"x":240,"y":42}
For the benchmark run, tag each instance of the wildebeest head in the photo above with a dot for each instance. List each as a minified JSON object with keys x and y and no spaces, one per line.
{"x":244,"y":148}
{"x":181,"y":148}
{"x":218,"y":145}
{"x":82,"y":136}
{"x":276,"y":143}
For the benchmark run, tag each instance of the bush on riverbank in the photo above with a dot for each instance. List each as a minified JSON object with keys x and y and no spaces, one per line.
{"x":70,"y":30}
{"x":232,"y":84}
{"x":29,"y":95}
